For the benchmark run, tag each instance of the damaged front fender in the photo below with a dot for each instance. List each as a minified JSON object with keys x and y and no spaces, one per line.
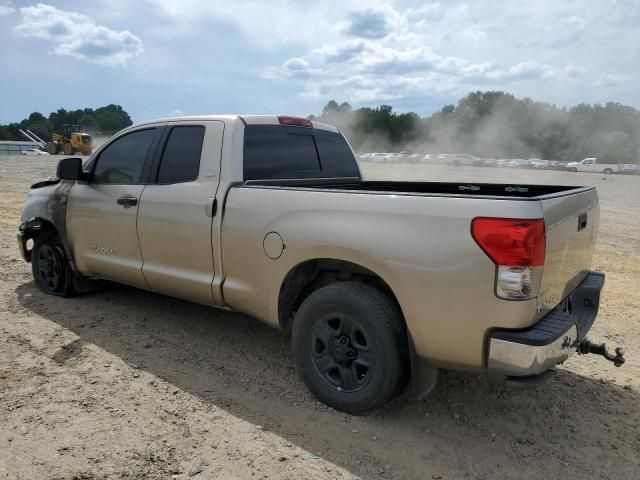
{"x":45,"y":209}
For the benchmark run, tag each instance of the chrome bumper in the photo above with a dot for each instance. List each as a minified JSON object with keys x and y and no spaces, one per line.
{"x":553,"y":339}
{"x":519,"y":359}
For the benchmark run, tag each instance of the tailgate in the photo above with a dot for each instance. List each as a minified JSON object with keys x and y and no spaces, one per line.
{"x":571,"y":223}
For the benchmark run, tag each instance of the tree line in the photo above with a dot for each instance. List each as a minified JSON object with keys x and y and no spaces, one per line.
{"x":495,"y":124}
{"x":107,"y":119}
{"x":490,"y":124}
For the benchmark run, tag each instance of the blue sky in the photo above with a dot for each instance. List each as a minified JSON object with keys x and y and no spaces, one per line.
{"x":161,"y":57}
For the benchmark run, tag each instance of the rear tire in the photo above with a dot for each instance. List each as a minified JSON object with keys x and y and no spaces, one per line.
{"x":50,"y":267}
{"x":572,"y":169}
{"x":350,"y":346}
{"x":68,"y":149}
{"x":608,"y":171}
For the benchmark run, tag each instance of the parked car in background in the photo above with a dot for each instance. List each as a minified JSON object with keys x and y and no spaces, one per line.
{"x":519,"y":163}
{"x":380,"y":157}
{"x":539,"y":164}
{"x":490,"y":162}
{"x":592,"y":165}
{"x":33,"y":152}
{"x":458,"y":159}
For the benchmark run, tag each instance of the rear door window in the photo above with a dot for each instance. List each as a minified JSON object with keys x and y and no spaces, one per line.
{"x":181,"y":157}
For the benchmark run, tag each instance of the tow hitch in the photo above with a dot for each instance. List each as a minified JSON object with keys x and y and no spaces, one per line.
{"x":601,"y":349}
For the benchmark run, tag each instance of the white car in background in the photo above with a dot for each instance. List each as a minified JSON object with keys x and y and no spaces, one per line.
{"x":520,"y":163}
{"x":458,"y":159}
{"x":33,"y":152}
{"x":381,"y":157}
{"x":539,"y":164}
{"x":592,"y":165}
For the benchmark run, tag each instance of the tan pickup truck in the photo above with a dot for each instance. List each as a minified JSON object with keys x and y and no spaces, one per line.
{"x":381,"y":283}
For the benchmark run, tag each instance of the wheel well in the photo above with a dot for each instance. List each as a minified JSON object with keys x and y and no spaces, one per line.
{"x":311,"y":275}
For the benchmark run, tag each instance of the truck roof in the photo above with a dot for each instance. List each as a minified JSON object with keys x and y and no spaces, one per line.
{"x":247,"y":119}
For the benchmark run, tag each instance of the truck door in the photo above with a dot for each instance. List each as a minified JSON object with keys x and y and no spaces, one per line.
{"x":587,"y":166}
{"x":102,"y":212}
{"x":177,"y":209}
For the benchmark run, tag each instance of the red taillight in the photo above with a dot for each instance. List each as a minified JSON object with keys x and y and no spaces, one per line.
{"x":295,"y":121}
{"x":513,"y":242}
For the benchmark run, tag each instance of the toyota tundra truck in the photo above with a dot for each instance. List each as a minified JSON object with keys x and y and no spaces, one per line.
{"x":380,"y":283}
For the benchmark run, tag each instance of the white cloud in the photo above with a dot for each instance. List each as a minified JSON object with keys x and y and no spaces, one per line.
{"x":394,"y":55}
{"x":529,"y":70}
{"x":574,"y":71}
{"x":474,"y":34}
{"x":611,"y":80}
{"x":78,"y":36}
{"x":370,"y":69}
{"x":6,"y":8}
{"x":426,"y":12}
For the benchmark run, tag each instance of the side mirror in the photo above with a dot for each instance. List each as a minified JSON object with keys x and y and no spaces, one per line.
{"x":70,"y":169}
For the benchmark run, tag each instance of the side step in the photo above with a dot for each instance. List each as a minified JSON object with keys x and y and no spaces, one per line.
{"x":530,"y":381}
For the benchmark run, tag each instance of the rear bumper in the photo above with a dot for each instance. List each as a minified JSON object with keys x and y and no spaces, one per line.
{"x":553,"y":339}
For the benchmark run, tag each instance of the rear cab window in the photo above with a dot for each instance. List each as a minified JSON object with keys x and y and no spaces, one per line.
{"x":275,"y":152}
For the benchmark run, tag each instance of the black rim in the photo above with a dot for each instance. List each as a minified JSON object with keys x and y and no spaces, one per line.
{"x":341,"y":352}
{"x":49,"y":268}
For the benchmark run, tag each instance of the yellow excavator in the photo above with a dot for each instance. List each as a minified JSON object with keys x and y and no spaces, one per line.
{"x":70,"y":141}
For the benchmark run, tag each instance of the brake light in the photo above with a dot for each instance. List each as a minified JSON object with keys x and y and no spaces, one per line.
{"x":295,"y":121}
{"x":517,"y":247}
{"x":513,"y":242}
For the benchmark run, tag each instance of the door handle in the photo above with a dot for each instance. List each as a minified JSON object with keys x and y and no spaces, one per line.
{"x":127,"y":201}
{"x":212,"y":207}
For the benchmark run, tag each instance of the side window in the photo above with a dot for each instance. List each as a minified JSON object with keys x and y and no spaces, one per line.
{"x":335,"y":155}
{"x":122,"y":162}
{"x":272,"y":152}
{"x":181,"y":157}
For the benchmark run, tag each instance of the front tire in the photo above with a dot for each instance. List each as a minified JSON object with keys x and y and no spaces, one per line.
{"x":53,"y":148}
{"x":50,"y":267}
{"x":350,"y":346}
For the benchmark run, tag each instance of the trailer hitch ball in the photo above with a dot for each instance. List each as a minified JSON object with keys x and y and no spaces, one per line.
{"x":601,"y":349}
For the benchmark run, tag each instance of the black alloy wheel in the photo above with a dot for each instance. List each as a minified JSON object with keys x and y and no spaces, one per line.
{"x":342,"y":353}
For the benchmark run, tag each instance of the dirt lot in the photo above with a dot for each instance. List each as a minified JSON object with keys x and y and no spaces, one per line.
{"x":128,"y":384}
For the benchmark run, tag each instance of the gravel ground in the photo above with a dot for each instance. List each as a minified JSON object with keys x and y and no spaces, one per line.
{"x":124,"y":383}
